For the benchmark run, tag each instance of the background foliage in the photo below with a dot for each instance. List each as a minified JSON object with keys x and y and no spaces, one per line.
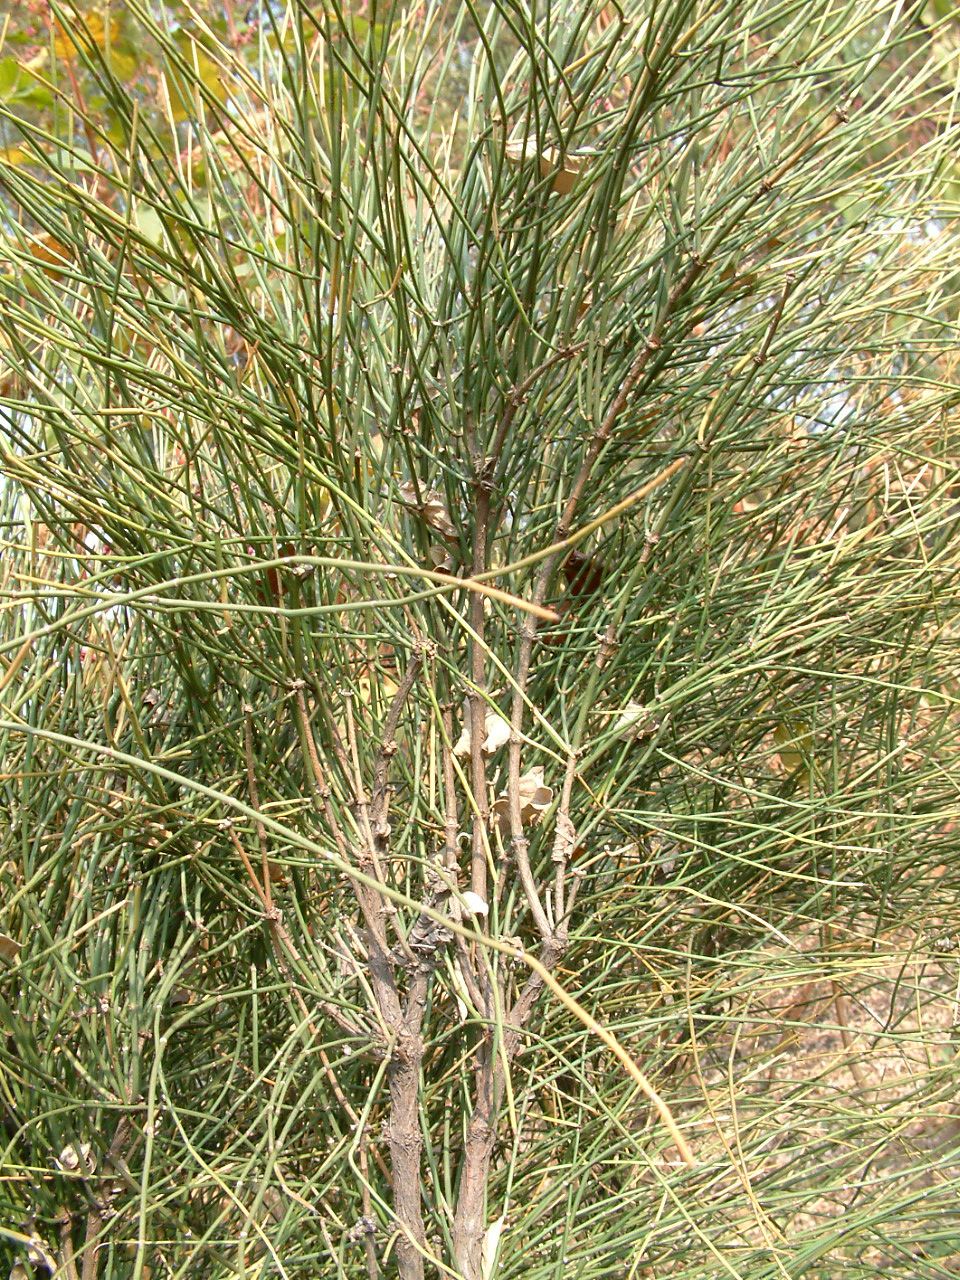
{"x":644,"y":315}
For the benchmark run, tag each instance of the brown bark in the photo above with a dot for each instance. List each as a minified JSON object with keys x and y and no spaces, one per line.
{"x":406,"y":1145}
{"x":402,"y":1016}
{"x":469,"y":1223}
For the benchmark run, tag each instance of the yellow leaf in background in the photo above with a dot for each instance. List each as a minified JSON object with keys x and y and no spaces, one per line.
{"x":386,"y":686}
{"x":796,"y":744}
{"x":124,"y":65}
{"x":39,"y":59}
{"x":92,"y":27}
{"x":149,"y":223}
{"x":48,"y":249}
{"x":186,"y":100}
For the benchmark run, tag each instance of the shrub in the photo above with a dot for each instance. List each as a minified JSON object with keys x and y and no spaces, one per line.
{"x":480,"y":555}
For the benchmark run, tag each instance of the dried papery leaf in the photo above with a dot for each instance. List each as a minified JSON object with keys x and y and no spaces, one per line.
{"x":535,"y":796}
{"x":80,"y":1160}
{"x":435,"y":514}
{"x":667,"y":860}
{"x":534,"y":792}
{"x":474,"y":903}
{"x":348,"y":955}
{"x":634,"y":721}
{"x":565,"y":839}
{"x":584,"y":574}
{"x":500,"y":814}
{"x":9,"y":948}
{"x":38,"y":1255}
{"x":430,"y":507}
{"x":460,"y":993}
{"x":274,"y":591}
{"x":495,"y":727}
{"x":491,"y":1241}
{"x":564,"y":169}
